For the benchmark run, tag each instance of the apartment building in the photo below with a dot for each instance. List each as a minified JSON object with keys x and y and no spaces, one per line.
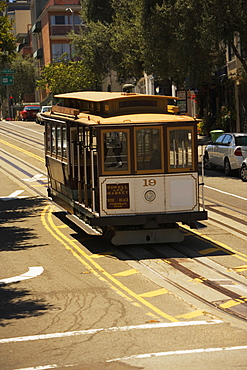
{"x":19,"y":12}
{"x":51,"y":25}
{"x":42,"y":27}
{"x":52,"y":21}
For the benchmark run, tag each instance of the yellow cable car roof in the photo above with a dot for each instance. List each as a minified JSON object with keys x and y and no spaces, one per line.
{"x":143,"y":118}
{"x":113,"y":103}
{"x":98,"y":96}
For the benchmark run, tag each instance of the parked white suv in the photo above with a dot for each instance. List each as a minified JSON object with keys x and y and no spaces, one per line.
{"x":227,"y":151}
{"x":39,"y":118}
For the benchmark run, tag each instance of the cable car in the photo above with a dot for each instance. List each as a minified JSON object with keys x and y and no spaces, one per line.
{"x":123,"y":165}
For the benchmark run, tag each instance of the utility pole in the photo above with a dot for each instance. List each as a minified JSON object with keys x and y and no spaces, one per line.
{"x":73,"y":29}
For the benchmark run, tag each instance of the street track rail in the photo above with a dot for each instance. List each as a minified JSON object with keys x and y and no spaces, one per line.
{"x":25,"y":139}
{"x":181,"y":263}
{"x":235,"y":220}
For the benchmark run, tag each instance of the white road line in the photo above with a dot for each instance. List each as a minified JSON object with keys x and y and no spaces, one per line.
{"x":182,"y":352}
{"x":224,"y":192}
{"x":107,"y":330}
{"x":38,"y":177}
{"x":31,"y":273}
{"x":15,"y":194}
{"x":44,"y":367}
{"x":147,"y":355}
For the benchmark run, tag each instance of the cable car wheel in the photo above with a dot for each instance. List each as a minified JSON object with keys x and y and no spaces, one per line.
{"x":108,"y":232}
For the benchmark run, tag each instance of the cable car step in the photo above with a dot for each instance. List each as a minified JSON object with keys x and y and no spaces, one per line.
{"x":80,"y":223}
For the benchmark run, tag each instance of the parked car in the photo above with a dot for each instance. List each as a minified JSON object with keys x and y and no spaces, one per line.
{"x":29,"y":112}
{"x":243,"y":170}
{"x":227,"y":151}
{"x":39,"y":118}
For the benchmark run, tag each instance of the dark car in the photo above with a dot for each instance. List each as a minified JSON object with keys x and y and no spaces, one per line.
{"x":29,"y":112}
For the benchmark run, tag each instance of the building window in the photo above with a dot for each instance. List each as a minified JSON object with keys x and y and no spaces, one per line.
{"x":59,"y":49}
{"x":59,"y":19}
{"x":65,"y":20}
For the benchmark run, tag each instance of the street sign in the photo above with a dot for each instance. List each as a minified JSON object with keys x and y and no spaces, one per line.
{"x":7,"y":80}
{"x":8,"y":70}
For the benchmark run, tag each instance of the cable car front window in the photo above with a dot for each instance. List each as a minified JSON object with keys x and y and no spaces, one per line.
{"x":148,"y":149}
{"x":180,"y":148}
{"x":115,"y":151}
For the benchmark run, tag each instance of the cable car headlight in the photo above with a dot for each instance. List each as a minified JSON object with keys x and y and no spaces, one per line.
{"x":150,"y":195}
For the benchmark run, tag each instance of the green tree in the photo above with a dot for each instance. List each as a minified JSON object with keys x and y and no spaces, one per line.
{"x":93,"y":44}
{"x":65,"y":77}
{"x":108,"y":38}
{"x":223,"y":20}
{"x":93,"y":48}
{"x":179,"y":40}
{"x":97,"y":10}
{"x":127,"y":39}
{"x":24,"y":78}
{"x":175,"y":44}
{"x":7,"y":40}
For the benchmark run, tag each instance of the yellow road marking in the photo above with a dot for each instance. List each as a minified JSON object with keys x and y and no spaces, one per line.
{"x":126,"y":273}
{"x":191,"y":315}
{"x":100,"y":255}
{"x":198,"y":280}
{"x":154,"y":293}
{"x":41,"y":159}
{"x":240,"y":268}
{"x":229,"y":304}
{"x":103,"y":275}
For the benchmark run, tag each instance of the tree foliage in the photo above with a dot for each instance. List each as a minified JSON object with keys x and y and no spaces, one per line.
{"x":24,"y":77}
{"x":97,"y":10}
{"x":94,"y":50}
{"x":180,"y":40}
{"x":66,"y":77}
{"x":7,"y":40}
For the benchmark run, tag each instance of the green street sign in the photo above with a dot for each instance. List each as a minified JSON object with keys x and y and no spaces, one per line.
{"x":8,"y":71}
{"x":7,"y":80}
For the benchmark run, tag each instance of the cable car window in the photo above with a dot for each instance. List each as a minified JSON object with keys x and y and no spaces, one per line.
{"x":53,"y":139}
{"x":59,"y":141}
{"x":148,"y":149}
{"x":48,"y":137}
{"x":180,"y":146}
{"x":64,"y":141}
{"x":116,"y":147}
